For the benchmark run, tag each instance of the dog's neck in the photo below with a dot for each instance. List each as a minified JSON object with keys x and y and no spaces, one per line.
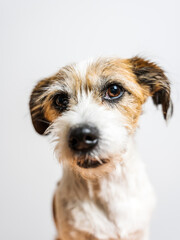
{"x":115,"y":197}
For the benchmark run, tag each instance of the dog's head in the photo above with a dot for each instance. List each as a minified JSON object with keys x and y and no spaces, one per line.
{"x":92,"y":109}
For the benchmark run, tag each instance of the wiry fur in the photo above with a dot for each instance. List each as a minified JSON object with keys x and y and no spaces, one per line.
{"x":113,"y":201}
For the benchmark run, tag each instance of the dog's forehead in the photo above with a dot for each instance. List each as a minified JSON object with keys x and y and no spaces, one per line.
{"x":93,"y":72}
{"x":97,"y":68}
{"x":92,"y":75}
{"x":87,"y":71}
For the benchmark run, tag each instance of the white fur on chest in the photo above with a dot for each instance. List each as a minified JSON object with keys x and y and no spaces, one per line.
{"x":122,"y":205}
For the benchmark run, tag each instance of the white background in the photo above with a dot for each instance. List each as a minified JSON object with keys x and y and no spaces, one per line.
{"x":37,"y":37}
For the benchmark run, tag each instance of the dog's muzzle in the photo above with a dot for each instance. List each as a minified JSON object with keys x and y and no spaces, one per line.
{"x":83,"y":138}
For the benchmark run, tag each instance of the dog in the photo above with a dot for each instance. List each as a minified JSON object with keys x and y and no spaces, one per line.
{"x":91,"y":111}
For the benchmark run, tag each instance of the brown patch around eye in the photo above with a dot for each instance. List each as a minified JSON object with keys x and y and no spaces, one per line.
{"x":55,"y":105}
{"x":118,"y":73}
{"x":50,"y":113}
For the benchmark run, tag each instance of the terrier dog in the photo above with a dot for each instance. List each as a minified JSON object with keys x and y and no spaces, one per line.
{"x":91,"y":109}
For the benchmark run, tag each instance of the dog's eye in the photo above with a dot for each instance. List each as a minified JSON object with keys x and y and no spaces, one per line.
{"x":61,"y":101}
{"x":113,"y":92}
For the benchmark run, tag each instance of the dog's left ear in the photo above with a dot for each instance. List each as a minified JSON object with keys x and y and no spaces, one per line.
{"x":152,"y":78}
{"x":36,"y":105}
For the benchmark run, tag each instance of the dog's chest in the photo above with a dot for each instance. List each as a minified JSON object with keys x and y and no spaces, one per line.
{"x":122,"y":205}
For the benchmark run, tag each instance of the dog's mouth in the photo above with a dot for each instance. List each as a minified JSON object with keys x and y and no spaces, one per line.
{"x":91,"y":163}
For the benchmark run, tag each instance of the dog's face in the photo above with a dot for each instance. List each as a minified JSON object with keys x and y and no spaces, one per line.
{"x":92,"y":109}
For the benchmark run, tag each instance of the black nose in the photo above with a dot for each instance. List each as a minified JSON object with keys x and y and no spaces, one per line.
{"x":83,"y":138}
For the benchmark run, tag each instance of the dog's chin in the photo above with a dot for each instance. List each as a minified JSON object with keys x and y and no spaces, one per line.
{"x":90,"y":163}
{"x":93,"y":168}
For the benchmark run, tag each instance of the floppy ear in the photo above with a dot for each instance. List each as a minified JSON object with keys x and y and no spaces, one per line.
{"x":36,"y":106}
{"x":153,"y":78}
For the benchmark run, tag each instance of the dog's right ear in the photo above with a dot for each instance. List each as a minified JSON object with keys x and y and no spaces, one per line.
{"x":152,"y":78}
{"x":36,"y":105}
